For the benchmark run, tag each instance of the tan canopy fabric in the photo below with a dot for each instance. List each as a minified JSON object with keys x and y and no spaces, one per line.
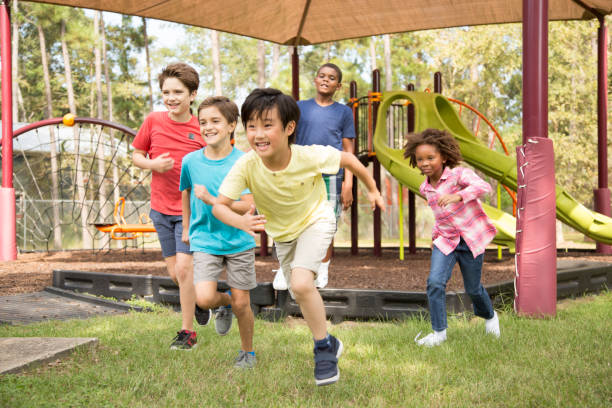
{"x":316,"y":21}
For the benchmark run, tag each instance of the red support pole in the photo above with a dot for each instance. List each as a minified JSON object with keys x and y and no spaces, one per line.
{"x":295,"y":74}
{"x":602,"y":193}
{"x":536,"y":252}
{"x":354,"y":206}
{"x":377,"y":215}
{"x":8,"y":239}
{"x":411,"y":195}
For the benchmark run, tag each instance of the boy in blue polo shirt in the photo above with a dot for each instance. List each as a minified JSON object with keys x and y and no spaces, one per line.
{"x":215,"y":245}
{"x":328,"y":123}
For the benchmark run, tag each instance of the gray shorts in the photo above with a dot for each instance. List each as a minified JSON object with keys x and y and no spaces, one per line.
{"x":308,"y":250}
{"x":240,"y":268}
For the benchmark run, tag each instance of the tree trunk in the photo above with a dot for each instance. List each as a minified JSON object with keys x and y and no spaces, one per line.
{"x":148,"y":62}
{"x":55,"y":198}
{"x":102,"y":197}
{"x":261,"y":64}
{"x":109,"y":96}
{"x":275,"y":60}
{"x":214,"y":45}
{"x":86,"y":237}
{"x":372,"y":53}
{"x":394,"y":190}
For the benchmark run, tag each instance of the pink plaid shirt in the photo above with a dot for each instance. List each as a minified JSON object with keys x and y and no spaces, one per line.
{"x":464,"y":219}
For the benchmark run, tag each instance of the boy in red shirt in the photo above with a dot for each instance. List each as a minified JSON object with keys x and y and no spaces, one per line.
{"x":162,"y":141}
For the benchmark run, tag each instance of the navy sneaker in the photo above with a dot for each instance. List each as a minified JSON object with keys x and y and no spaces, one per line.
{"x":184,"y":340}
{"x":326,"y":362}
{"x":202,"y":316}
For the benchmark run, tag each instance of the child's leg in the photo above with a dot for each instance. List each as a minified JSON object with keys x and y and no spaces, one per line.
{"x":207,"y":268}
{"x":440,"y":272}
{"x":241,"y":305}
{"x":309,"y":299}
{"x":471,"y":269}
{"x":184,"y":275}
{"x":207,"y":296}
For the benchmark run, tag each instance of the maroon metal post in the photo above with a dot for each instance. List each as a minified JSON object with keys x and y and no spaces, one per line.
{"x":377,"y":215}
{"x":354,"y":206}
{"x":295,"y":74}
{"x":411,"y":195}
{"x":602,"y":193}
{"x":438,"y":82}
{"x":8,"y":238}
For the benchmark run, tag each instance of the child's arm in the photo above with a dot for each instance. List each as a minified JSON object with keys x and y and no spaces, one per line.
{"x":241,"y":206}
{"x":160,"y":164}
{"x":473,"y":187}
{"x":347,"y":184}
{"x":186,"y":214}
{"x":248,"y":221}
{"x":350,"y":162}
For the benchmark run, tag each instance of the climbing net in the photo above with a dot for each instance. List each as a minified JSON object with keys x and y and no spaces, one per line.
{"x":68,"y":173}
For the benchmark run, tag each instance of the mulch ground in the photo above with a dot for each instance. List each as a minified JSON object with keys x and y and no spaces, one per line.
{"x":31,"y":272}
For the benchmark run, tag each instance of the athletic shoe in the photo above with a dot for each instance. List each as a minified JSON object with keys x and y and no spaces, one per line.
{"x":432,"y":339}
{"x":245,"y":360}
{"x":202,"y":316}
{"x":184,"y":340}
{"x":326,"y":362}
{"x":223,"y":320}
{"x":279,"y":283}
{"x":492,"y":325}
{"x":322,"y":275}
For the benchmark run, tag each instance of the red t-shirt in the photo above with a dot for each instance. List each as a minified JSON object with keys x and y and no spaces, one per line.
{"x":160,"y":134}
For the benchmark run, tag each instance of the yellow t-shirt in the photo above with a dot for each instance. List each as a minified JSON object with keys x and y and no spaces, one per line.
{"x":292,"y":199}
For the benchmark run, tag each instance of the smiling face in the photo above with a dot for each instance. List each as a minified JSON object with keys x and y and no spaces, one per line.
{"x":327,"y":81}
{"x":214,"y":127}
{"x":430,"y":161}
{"x":177,"y":99}
{"x":267,"y":136}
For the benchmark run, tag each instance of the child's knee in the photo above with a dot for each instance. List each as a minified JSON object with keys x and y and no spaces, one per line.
{"x":205,"y":300}
{"x":241,"y":305}
{"x":435,"y":284}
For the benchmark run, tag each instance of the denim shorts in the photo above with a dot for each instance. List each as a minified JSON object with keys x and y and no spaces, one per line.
{"x":169,"y":232}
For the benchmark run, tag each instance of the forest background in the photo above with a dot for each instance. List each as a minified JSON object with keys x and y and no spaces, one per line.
{"x":105,"y":65}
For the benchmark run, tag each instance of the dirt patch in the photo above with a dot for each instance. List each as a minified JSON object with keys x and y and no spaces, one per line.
{"x":31,"y":272}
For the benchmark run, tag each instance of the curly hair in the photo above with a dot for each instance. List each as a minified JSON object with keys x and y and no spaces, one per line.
{"x":440,"y":139}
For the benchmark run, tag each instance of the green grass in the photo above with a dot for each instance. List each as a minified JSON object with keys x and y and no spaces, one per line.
{"x":562,"y":361}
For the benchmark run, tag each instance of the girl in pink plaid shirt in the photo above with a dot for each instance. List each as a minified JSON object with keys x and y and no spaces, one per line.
{"x":462,"y":229}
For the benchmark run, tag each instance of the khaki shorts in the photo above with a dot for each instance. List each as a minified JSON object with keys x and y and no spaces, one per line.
{"x":240,"y":268}
{"x":308,"y":250}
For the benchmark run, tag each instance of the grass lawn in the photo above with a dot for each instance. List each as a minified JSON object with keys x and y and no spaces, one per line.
{"x":564,"y":361}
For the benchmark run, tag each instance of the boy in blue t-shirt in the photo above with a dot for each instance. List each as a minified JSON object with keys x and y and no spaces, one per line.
{"x":328,"y":123}
{"x":215,"y":245}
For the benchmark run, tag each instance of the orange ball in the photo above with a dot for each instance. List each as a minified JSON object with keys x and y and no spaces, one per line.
{"x":68,"y":119}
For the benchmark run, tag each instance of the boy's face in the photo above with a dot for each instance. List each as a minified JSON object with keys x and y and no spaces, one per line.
{"x":326,"y":81}
{"x":176,"y":97}
{"x":267,"y":136}
{"x":214,"y":128}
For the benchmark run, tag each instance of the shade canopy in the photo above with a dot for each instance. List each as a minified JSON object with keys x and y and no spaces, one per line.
{"x":302,"y":22}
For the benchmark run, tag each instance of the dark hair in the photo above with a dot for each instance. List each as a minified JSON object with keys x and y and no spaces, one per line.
{"x":440,"y":139}
{"x":334,"y":67}
{"x":228,"y":109}
{"x":183,"y":72}
{"x":262,"y":100}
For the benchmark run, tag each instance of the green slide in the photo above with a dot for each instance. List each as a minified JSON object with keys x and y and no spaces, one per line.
{"x":435,"y":111}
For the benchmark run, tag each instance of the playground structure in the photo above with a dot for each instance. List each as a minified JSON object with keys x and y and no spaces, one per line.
{"x":120,"y":226}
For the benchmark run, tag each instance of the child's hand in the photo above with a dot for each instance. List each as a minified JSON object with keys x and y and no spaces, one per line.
{"x":252,"y":223}
{"x":449,"y":199}
{"x":162,"y":163}
{"x":202,"y":193}
{"x":346,"y":196}
{"x":376,"y":200}
{"x":185,"y":236}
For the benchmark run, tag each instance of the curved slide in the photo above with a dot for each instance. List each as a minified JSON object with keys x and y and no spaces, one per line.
{"x":435,"y":111}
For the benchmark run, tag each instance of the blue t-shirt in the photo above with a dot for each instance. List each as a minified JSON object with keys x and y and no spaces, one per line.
{"x":324,"y":125}
{"x":207,"y":233}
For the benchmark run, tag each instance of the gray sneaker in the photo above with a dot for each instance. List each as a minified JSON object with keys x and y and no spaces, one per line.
{"x":245,"y":360}
{"x":223,"y":320}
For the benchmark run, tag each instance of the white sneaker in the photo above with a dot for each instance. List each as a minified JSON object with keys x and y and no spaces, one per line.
{"x":322,"y":275}
{"x":432,"y":339}
{"x":492,"y":325}
{"x":279,"y":283}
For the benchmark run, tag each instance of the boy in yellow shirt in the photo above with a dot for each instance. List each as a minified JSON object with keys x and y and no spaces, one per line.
{"x":291,"y":198}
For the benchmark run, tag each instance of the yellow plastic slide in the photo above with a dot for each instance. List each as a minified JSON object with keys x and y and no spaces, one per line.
{"x":435,"y":111}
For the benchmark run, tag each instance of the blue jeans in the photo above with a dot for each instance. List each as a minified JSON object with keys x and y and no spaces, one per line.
{"x":439,"y":274}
